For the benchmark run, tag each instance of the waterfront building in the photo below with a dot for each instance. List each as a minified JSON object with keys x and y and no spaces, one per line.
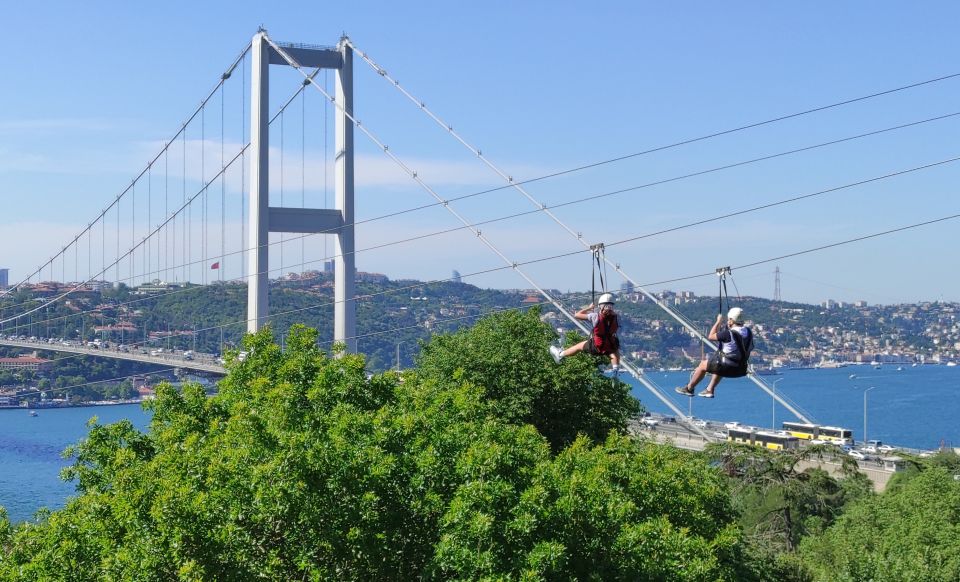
{"x":31,"y":363}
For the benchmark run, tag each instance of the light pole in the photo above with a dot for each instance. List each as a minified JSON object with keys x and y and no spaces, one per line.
{"x":773,"y":406}
{"x":865,"y":414}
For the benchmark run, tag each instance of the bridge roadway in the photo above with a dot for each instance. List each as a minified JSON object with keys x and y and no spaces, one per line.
{"x":682,"y":437}
{"x":199,"y":362}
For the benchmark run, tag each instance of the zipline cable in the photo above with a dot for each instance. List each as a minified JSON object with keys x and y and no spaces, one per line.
{"x":383,"y":73}
{"x":476,"y":151}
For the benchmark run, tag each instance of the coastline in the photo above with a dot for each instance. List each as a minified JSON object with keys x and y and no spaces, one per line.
{"x":91,"y":403}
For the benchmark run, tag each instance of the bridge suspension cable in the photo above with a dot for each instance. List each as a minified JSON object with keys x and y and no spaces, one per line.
{"x":141,"y":174}
{"x":187,"y":204}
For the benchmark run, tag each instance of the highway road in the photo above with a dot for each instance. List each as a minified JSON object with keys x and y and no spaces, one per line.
{"x":198,"y":362}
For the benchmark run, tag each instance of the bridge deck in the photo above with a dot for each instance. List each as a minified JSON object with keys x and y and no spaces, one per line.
{"x":199,"y":362}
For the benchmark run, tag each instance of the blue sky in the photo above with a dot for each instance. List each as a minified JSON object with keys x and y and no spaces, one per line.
{"x":92,"y":90}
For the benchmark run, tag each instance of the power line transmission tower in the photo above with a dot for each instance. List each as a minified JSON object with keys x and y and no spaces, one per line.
{"x":776,"y":286}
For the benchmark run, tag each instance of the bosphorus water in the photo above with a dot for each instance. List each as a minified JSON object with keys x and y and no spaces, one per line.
{"x":31,"y":447}
{"x":915,"y":407}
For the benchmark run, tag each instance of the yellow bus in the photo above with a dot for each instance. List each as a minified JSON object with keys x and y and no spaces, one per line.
{"x":777,"y":441}
{"x":843,"y":436}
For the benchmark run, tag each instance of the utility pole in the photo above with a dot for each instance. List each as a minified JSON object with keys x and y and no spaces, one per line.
{"x":776,"y":287}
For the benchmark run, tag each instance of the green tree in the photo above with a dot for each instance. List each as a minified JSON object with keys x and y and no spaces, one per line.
{"x":302,"y":467}
{"x":909,"y":533}
{"x":506,"y":356}
{"x":781,"y":497}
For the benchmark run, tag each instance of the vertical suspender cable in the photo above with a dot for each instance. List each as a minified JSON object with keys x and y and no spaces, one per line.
{"x":166,"y":213}
{"x":148,"y":248}
{"x":133,"y":227}
{"x":326,"y":161}
{"x":243,"y":172}
{"x":282,"y":236}
{"x":203,"y":199}
{"x":303,"y":172}
{"x":223,"y":192}
{"x":188,"y":218}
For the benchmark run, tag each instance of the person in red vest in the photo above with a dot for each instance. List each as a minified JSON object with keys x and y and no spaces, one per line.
{"x":603,"y":340}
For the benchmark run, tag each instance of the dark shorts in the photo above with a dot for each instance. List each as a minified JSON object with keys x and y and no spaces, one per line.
{"x":724,"y":368}
{"x":591,"y":348}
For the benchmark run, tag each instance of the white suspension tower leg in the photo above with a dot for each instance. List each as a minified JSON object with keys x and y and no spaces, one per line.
{"x":258,"y":284}
{"x":345,"y":323}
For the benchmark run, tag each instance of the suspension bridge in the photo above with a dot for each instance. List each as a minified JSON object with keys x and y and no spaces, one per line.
{"x":200,"y":213}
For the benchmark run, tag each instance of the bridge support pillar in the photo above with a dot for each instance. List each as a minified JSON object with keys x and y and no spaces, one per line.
{"x":264,"y":219}
{"x":258,"y":283}
{"x":345,"y":324}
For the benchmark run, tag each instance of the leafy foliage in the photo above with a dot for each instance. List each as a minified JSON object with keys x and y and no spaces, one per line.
{"x":909,"y":533}
{"x":302,"y":467}
{"x":506,"y":356}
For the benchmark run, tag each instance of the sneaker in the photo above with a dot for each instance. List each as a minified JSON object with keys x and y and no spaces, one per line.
{"x":557,"y":353}
{"x":705,"y":394}
{"x":685,"y":390}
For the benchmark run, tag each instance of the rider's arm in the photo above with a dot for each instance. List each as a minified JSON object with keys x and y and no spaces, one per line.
{"x":584,"y":314}
{"x":712,"y":336}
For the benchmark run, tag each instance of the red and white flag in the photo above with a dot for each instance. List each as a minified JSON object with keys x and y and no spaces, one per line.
{"x":215,"y":265}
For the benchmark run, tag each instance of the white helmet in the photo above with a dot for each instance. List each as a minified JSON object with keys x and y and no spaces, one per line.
{"x":606,"y":298}
{"x":736,"y":314}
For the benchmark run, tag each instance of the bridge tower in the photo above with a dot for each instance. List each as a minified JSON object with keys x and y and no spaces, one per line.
{"x":265,"y":219}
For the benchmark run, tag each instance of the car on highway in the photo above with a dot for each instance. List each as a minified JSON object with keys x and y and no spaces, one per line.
{"x":650,"y":421}
{"x":720,"y":434}
{"x":857,"y":455}
{"x":699,"y":422}
{"x":886,"y":449}
{"x":732,"y":424}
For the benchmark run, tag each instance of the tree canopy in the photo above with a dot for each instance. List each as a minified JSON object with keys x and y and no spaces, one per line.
{"x":910,"y":533}
{"x":303,"y":467}
{"x":505,"y":356}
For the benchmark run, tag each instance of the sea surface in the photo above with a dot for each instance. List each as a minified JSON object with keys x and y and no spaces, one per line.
{"x":31,"y":447}
{"x":917,"y":407}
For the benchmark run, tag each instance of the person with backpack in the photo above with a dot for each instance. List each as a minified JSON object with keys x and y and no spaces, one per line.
{"x":730,"y":360}
{"x":603,"y":340}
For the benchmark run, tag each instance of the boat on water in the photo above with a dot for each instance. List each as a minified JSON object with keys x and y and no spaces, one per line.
{"x":33,"y":413}
{"x":830,"y":365}
{"x":766,"y":371}
{"x":951,"y":364}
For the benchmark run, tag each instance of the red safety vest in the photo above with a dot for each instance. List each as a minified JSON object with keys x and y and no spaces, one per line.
{"x":604,"y":332}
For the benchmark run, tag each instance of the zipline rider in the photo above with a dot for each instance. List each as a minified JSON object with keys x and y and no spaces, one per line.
{"x":603,"y":340}
{"x":730,"y":360}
